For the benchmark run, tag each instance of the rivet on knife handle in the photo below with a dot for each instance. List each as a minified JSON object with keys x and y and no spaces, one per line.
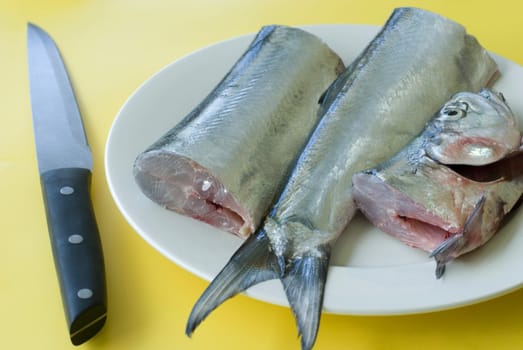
{"x":77,"y":250}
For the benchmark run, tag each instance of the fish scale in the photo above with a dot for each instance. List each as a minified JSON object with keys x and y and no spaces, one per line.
{"x":245,"y":135}
{"x":374,"y":108}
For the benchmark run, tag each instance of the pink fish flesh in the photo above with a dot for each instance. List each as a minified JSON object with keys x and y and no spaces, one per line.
{"x":449,"y":189}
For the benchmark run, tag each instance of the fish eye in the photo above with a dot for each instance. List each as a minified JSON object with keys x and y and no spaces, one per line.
{"x":455,"y":110}
{"x":453,"y":113}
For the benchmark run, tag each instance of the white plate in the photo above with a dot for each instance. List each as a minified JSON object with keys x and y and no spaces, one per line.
{"x":371,"y":273}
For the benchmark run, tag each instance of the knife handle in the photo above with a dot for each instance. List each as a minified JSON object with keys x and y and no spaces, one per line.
{"x":77,"y":250}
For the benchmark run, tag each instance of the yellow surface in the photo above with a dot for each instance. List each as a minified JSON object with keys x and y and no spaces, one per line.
{"x":112,"y":46}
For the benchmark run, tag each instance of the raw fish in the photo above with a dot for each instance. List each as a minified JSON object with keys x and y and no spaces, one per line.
{"x":227,"y":160}
{"x":379,"y":104}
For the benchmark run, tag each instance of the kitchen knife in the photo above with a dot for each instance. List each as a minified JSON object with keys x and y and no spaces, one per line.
{"x":65,"y":164}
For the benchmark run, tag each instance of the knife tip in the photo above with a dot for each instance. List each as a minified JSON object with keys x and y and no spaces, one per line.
{"x":31,"y":26}
{"x":35,"y":29}
{"x":32,"y":30}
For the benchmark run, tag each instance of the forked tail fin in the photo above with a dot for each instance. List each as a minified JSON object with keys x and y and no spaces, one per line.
{"x":304,"y":284}
{"x":252,"y":263}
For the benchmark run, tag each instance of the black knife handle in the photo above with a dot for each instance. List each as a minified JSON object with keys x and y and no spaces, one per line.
{"x":77,"y":250}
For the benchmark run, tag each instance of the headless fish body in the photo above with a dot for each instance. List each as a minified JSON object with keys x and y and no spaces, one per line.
{"x":438,"y":194}
{"x":388,"y":93}
{"x":226,"y":161}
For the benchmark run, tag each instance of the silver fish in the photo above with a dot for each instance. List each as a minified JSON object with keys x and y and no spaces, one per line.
{"x":379,"y":104}
{"x":448,"y":190}
{"x":227,"y":160}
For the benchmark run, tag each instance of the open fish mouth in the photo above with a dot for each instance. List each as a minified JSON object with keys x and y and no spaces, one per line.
{"x":504,"y":169}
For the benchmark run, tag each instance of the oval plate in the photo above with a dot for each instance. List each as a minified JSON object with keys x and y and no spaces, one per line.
{"x":371,"y":273}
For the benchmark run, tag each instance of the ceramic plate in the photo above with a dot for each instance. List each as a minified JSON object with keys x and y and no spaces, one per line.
{"x":371,"y":273}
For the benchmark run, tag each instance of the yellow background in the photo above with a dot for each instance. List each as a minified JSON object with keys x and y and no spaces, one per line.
{"x":111,"y":47}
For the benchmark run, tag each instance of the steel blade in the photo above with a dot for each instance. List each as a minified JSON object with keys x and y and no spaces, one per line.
{"x":59,"y":133}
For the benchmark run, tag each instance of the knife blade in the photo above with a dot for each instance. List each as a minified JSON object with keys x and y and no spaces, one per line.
{"x":65,"y":165}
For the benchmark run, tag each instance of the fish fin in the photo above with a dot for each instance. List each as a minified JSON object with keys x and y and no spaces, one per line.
{"x":304,"y":284}
{"x":445,"y":251}
{"x":322,"y":97}
{"x":442,"y":253}
{"x":252,"y":263}
{"x":332,"y":92}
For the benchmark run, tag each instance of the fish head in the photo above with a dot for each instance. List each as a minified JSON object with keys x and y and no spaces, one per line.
{"x":473,"y":129}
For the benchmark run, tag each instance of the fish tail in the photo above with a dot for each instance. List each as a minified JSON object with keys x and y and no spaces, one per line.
{"x":304,"y":284}
{"x":252,"y":263}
